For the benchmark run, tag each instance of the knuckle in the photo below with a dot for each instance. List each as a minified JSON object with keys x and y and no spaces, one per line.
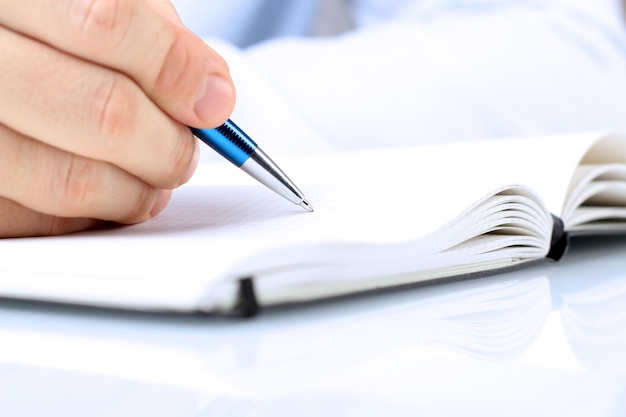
{"x":114,"y":110}
{"x":179,"y":160}
{"x":82,"y":190}
{"x":79,"y":183}
{"x":110,"y":19}
{"x":140,"y":210}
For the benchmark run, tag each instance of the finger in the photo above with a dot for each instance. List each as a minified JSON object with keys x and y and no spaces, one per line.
{"x":91,"y":111}
{"x":166,"y":9}
{"x":19,"y":221}
{"x":51,"y":181}
{"x":178,"y":70}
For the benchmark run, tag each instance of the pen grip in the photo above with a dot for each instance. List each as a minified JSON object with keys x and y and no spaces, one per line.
{"x":229,"y":141}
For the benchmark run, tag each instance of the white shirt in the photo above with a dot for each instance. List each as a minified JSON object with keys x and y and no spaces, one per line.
{"x":418,"y":71}
{"x":244,"y":22}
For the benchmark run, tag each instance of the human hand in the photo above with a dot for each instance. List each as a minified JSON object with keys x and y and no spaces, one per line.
{"x":95,"y":99}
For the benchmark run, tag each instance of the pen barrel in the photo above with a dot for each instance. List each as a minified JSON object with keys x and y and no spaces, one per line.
{"x":233,"y":144}
{"x":229,"y":141}
{"x":263,"y":169}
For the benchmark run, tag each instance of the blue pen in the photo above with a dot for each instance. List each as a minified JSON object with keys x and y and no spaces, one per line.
{"x":233,"y":144}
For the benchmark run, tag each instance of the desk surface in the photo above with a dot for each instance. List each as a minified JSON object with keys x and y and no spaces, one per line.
{"x":546,"y":340}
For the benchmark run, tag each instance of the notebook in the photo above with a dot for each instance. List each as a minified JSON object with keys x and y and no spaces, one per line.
{"x":383,"y":218}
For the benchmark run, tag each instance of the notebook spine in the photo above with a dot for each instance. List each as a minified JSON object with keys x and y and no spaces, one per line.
{"x":559,"y":241}
{"x":247,"y":304}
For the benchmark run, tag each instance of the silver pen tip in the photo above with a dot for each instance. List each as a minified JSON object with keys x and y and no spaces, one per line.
{"x":306,"y":205}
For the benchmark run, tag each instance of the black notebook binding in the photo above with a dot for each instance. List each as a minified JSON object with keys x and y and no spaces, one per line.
{"x":559,"y":241}
{"x":248,"y":305}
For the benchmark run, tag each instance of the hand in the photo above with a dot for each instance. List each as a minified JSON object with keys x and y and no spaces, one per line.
{"x":95,"y":97}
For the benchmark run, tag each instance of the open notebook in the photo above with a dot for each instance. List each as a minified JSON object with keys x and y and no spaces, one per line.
{"x":382,"y":218}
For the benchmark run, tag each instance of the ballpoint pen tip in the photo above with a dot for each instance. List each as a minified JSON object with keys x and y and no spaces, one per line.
{"x":306,"y":205}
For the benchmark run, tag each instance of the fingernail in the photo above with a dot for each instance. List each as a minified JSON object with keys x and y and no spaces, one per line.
{"x":192,"y":165}
{"x":214,"y":99}
{"x":161,"y":201}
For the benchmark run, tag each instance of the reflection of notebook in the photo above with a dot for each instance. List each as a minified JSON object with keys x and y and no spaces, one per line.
{"x":593,"y":296}
{"x":382,"y":218}
{"x":491,"y":319}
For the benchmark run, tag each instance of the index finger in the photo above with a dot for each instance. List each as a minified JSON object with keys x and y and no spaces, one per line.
{"x":176,"y":69}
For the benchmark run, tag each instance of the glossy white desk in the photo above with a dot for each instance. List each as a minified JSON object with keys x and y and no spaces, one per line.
{"x":548,"y":340}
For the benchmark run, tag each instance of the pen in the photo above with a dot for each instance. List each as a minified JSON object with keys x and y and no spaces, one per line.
{"x":235,"y":145}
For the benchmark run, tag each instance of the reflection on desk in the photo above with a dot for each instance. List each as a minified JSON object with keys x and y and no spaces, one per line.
{"x":547,"y":340}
